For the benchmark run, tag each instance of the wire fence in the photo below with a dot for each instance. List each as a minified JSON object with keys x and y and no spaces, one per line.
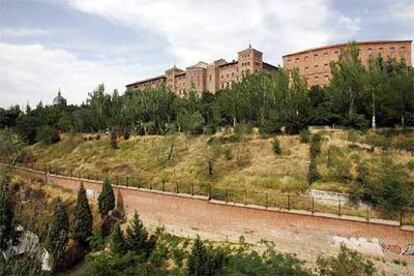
{"x":267,"y":199}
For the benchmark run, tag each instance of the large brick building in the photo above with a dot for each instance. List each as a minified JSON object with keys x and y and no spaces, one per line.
{"x":314,"y":64}
{"x":208,"y":77}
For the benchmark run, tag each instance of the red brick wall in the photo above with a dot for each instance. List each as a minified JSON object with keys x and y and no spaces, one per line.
{"x":218,"y":217}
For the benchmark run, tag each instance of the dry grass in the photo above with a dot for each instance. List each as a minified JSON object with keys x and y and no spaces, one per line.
{"x":244,"y":170}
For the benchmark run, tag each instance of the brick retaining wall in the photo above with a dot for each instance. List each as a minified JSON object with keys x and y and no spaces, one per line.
{"x":200,"y":213}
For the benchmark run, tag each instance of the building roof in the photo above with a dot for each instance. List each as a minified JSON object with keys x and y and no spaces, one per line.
{"x":147,"y":80}
{"x":59,"y":99}
{"x":229,"y":63}
{"x":200,"y":64}
{"x":270,"y":65}
{"x":344,"y":44}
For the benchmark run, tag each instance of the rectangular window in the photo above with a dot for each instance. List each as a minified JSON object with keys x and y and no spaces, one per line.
{"x":325,"y":66}
{"x":316,"y":67}
{"x":325,"y":55}
{"x":391,"y":50}
{"x":306,"y":69}
{"x":306,"y":58}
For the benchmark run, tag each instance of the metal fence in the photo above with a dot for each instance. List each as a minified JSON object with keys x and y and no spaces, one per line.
{"x":267,"y":199}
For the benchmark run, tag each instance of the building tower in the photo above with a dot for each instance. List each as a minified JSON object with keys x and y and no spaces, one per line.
{"x":250,"y":61}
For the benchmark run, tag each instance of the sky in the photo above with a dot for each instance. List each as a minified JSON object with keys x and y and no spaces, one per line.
{"x":74,"y":45}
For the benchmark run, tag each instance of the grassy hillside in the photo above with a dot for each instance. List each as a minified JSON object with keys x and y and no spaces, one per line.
{"x":244,"y":167}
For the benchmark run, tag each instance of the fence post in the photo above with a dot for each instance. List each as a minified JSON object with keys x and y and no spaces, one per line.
{"x":367,"y":213}
{"x":127,"y":181}
{"x":227,"y":195}
{"x":192,"y":189}
{"x":50,"y":169}
{"x":288,"y":201}
{"x":176,"y":187}
{"x":245,"y":197}
{"x":163,"y":185}
{"x":313,"y":205}
{"x":401,"y":216}
{"x":209,"y":192}
{"x":97,"y":176}
{"x":139,"y":185}
{"x":117,"y":180}
{"x":267,"y":200}
{"x":150,"y":185}
{"x":339,"y":208}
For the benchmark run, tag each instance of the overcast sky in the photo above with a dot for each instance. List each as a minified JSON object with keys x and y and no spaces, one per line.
{"x":77,"y":44}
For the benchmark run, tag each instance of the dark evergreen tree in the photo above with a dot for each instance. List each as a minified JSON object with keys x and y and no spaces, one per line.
{"x":6,"y":218}
{"x":198,"y":261}
{"x":137,"y":239}
{"x":118,"y":241}
{"x":59,"y":232}
{"x":83,"y":218}
{"x":106,"y":200}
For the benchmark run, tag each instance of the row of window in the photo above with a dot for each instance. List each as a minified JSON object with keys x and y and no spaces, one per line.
{"x":326,"y":55}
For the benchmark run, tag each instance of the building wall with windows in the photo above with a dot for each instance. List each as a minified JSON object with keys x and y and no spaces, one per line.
{"x":314,"y":64}
{"x":208,"y":77}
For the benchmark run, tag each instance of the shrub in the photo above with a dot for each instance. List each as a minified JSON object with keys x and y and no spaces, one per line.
{"x":98,"y":137}
{"x":127,"y":133}
{"x":47,"y":135}
{"x":304,"y":136}
{"x":276,"y":147}
{"x":313,"y":174}
{"x":356,"y":121}
{"x":315,"y":147}
{"x":114,"y":142}
{"x":348,"y":262}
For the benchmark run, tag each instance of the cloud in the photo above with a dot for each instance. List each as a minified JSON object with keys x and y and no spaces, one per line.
{"x":207,"y":30}
{"x":23,"y":32}
{"x":31,"y":73}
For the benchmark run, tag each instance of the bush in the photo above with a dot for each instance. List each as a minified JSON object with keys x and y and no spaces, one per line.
{"x":348,"y":262}
{"x":47,"y":135}
{"x":304,"y":136}
{"x":276,"y":147}
{"x":98,"y":137}
{"x":313,"y":174}
{"x":356,"y":121}
{"x":114,"y":142}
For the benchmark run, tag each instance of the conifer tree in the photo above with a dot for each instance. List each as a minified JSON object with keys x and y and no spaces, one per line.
{"x":118,"y":241}
{"x":114,"y":142}
{"x":137,"y":237}
{"x":6,"y":218}
{"x":106,"y":200}
{"x":83,"y":218}
{"x":198,"y":261}
{"x":59,"y":232}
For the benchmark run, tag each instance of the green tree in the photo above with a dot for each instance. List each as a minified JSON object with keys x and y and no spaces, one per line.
{"x":59,"y":232}
{"x":198,"y":260}
{"x":137,"y":239}
{"x":47,"y":135}
{"x":117,"y":245}
{"x":83,"y":218}
{"x":347,"y":262}
{"x":106,"y":199}
{"x":6,"y":218}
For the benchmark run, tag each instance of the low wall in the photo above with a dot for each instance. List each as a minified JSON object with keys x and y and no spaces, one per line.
{"x":201,"y":214}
